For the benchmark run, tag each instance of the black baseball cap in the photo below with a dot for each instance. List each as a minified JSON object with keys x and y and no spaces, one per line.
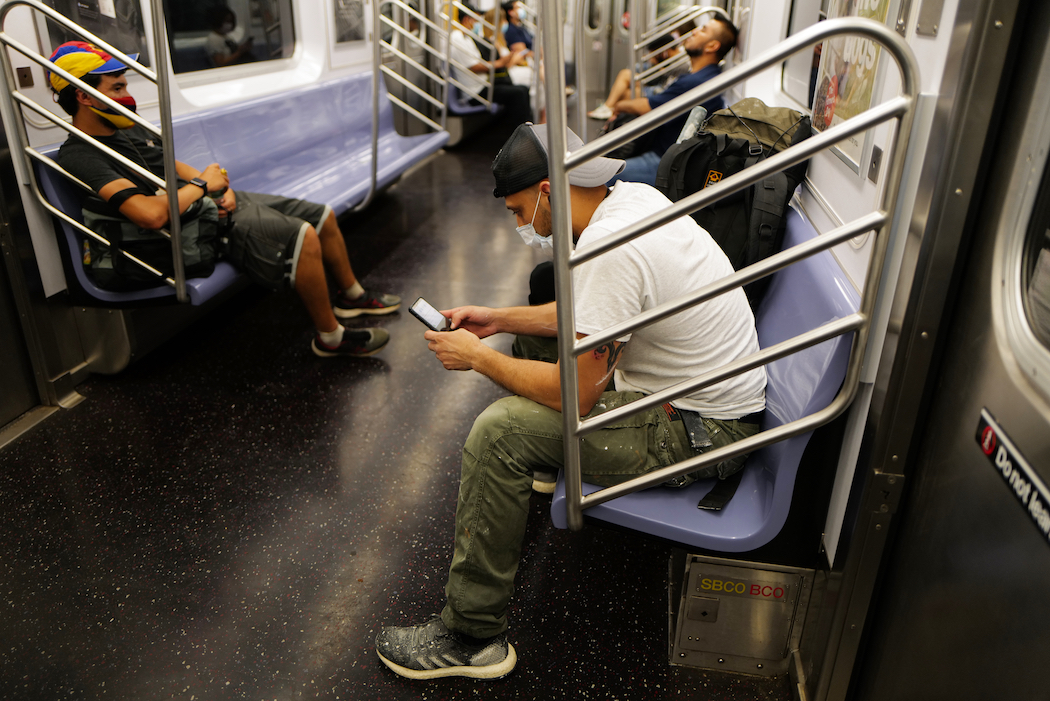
{"x":522,"y":162}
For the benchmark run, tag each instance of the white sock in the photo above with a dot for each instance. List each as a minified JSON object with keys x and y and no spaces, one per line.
{"x":332,"y":338}
{"x":355,"y":291}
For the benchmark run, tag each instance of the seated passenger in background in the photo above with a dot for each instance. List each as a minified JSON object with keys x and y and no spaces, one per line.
{"x":519,"y":437}
{"x":273,"y":239}
{"x":705,"y":46}
{"x":225,"y":44}
{"x":515,"y":34}
{"x":514,"y":98}
{"x":622,"y":85}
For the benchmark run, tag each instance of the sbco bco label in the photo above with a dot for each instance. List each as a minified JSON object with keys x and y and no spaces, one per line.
{"x":709,"y":584}
{"x":1020,"y":478}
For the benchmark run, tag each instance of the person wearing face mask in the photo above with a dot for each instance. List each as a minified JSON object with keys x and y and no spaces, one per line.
{"x":225,"y":44}
{"x":516,"y":442}
{"x":516,"y":35}
{"x":274,"y":240}
{"x":472,"y":71}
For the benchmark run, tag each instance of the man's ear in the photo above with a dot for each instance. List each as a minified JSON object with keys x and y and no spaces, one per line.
{"x":545,"y":187}
{"x":83,"y":98}
{"x":712,"y":46}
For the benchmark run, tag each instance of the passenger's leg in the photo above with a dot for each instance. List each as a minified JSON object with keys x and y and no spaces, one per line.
{"x":511,"y":439}
{"x":353,"y":299}
{"x":273,"y":246}
{"x":515,"y":101}
{"x":333,"y":252}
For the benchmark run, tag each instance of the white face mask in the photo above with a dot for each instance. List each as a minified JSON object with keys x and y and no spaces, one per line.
{"x":544,"y":244}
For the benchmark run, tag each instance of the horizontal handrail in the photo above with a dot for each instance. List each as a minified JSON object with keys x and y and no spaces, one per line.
{"x":744,"y":276}
{"x":708,"y":195}
{"x":169,"y":183}
{"x":900,"y":109}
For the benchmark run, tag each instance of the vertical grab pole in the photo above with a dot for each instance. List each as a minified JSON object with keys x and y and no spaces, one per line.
{"x":171,"y":176}
{"x":377,"y":60}
{"x":581,"y":75}
{"x":632,"y":37}
{"x":561,"y":218}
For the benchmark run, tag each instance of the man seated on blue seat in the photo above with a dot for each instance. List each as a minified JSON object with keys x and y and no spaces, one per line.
{"x":706,"y":47}
{"x":273,"y":239}
{"x":518,"y":438}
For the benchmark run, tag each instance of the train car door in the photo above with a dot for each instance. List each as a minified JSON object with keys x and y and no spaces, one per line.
{"x":962,"y":611}
{"x":18,"y":387}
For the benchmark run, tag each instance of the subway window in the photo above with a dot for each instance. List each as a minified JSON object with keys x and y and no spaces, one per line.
{"x":800,"y":71}
{"x":205,"y":34}
{"x":1035,"y":267}
{"x":350,"y":21}
{"x":117,"y":22}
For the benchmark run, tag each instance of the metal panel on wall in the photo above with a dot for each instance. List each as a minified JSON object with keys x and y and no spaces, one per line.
{"x":962,"y":612}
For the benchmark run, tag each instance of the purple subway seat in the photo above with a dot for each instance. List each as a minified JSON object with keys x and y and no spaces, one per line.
{"x":459,"y":104}
{"x":798,"y":385}
{"x":312,"y":143}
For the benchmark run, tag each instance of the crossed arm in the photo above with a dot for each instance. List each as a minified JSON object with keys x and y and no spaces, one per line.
{"x":462,"y":349}
{"x":151,"y":211}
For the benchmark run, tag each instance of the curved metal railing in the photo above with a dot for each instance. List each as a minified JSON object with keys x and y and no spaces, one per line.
{"x":900,"y":108}
{"x":17,"y":100}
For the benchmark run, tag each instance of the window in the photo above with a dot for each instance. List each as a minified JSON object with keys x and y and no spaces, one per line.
{"x":117,"y":22}
{"x":800,"y":71}
{"x":1035,"y":268}
{"x":204,"y":34}
{"x":350,"y":21}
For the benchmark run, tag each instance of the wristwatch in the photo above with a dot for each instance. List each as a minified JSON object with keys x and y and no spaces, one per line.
{"x":200,"y":183}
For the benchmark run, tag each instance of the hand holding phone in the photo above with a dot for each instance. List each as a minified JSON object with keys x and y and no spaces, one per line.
{"x":431,"y":317}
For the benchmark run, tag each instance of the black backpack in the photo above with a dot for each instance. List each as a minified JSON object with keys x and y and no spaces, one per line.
{"x":749,"y":224}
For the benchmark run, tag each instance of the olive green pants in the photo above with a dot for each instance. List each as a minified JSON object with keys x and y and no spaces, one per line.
{"x":515,"y":436}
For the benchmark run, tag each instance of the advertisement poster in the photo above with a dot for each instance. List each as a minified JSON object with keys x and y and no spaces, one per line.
{"x":846,"y":77}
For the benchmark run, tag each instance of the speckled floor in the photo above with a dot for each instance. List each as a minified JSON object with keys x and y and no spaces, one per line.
{"x":234,"y":518}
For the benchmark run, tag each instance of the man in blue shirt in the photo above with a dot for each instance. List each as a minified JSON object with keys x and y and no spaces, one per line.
{"x":706,"y":46}
{"x":516,"y":36}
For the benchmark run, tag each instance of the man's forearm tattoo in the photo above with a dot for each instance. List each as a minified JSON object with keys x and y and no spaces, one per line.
{"x":614,"y":352}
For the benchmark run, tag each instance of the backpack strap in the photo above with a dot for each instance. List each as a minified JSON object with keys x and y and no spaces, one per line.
{"x":767,"y":213}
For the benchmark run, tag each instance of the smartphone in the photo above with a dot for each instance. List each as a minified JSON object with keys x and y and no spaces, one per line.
{"x":425,"y":312}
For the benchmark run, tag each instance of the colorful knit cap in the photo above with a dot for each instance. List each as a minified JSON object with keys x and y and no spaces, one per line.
{"x":79,"y":58}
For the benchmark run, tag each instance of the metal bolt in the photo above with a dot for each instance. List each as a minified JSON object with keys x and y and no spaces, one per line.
{"x":883,"y":509}
{"x":878,"y":526}
{"x":958,"y":191}
{"x":760,"y":666}
{"x":924,"y":335}
{"x":998,"y":24}
{"x":893,"y":459}
{"x":891,"y":480}
{"x":720,"y":660}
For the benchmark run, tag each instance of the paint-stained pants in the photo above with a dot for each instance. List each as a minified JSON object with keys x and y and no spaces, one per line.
{"x":510,"y":439}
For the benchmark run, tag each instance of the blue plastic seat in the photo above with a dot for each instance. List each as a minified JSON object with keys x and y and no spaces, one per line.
{"x":313,"y":143}
{"x":801,"y":297}
{"x":459,"y":104}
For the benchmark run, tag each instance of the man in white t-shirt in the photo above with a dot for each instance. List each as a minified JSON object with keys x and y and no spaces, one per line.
{"x":514,"y":98}
{"x":520,"y":436}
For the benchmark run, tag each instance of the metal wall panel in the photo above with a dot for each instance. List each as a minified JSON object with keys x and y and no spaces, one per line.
{"x":963,"y":608}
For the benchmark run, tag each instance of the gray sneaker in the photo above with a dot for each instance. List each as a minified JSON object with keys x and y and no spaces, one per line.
{"x":431,"y":650}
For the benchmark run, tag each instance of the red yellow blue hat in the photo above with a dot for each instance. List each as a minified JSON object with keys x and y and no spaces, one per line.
{"x":79,"y":58}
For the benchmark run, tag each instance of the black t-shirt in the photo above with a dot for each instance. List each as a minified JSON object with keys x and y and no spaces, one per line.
{"x":97,"y":169}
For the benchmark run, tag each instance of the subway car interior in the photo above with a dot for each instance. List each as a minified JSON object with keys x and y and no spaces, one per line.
{"x":197,"y":501}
